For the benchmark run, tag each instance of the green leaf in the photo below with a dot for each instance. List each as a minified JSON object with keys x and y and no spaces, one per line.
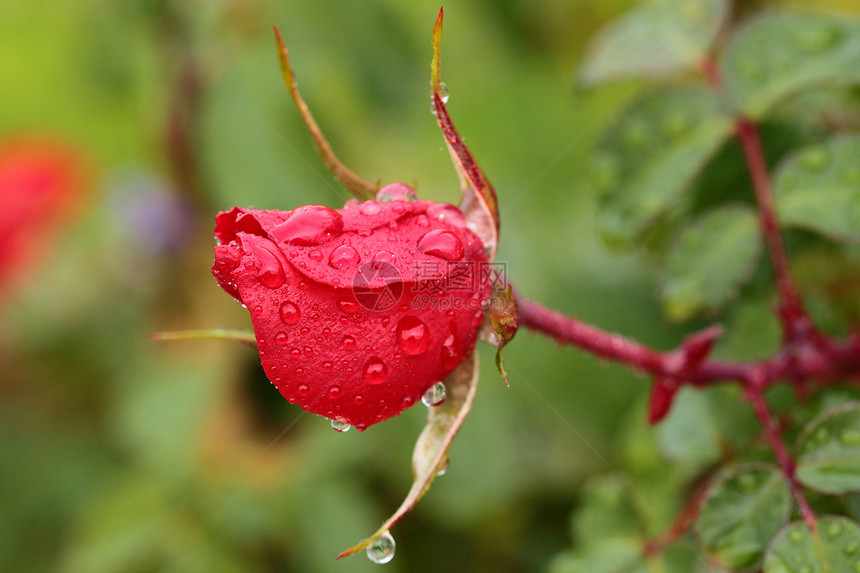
{"x":828,"y":450}
{"x":780,"y":54}
{"x":430,"y":455}
{"x":690,"y":434}
{"x":818,"y":188}
{"x":607,"y":511}
{"x":709,"y":261}
{"x":651,"y":155}
{"x":835,"y":547}
{"x":742,"y":512}
{"x":660,"y":38}
{"x":614,"y":556}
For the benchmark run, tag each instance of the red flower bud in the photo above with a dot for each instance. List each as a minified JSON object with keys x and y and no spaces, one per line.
{"x":357,"y":312}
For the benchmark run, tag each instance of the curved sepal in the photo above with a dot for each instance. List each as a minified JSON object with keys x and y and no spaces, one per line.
{"x":478,"y":198}
{"x":430,"y":455}
{"x":358,"y":186}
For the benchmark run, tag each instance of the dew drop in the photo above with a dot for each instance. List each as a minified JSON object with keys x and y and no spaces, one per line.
{"x":435,"y":395}
{"x":348,"y":305}
{"x":308,"y":351}
{"x":375,"y":371}
{"x":443,"y":92}
{"x":271,"y":272}
{"x":441,"y":243}
{"x":382,"y":549}
{"x":358,"y":400}
{"x":369,"y":208}
{"x":309,"y":225}
{"x":396,"y":192}
{"x":257,"y":309}
{"x":446,"y":213}
{"x":303,"y":390}
{"x":290,"y":313}
{"x":834,"y":530}
{"x":295,"y":353}
{"x":413,"y":336}
{"x":450,"y":352}
{"x":315,"y":256}
{"x":340,"y":425}
{"x":348,"y":343}
{"x":281,"y":338}
{"x":344,"y":257}
{"x":423,"y":221}
{"x":334,"y":392}
{"x":327,"y":366}
{"x":443,"y":469}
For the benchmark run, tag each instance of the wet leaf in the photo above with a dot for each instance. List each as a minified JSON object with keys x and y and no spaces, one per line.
{"x":651,"y":155}
{"x":358,"y":186}
{"x":431,"y":450}
{"x":742,"y":512}
{"x":818,"y":188}
{"x":478,"y":198}
{"x":828,"y":451}
{"x":660,"y":38}
{"x":709,"y":261}
{"x":779,"y":54}
{"x":835,"y":546}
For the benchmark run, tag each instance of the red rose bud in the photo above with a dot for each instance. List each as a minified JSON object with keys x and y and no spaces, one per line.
{"x":357,"y":312}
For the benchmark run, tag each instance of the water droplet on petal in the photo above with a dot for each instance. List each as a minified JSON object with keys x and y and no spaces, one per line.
{"x":281,"y":338}
{"x":348,"y":343}
{"x":309,"y":225}
{"x":446,"y":213}
{"x":303,"y":390}
{"x":375,"y":371}
{"x":450,"y":352}
{"x":290,"y":313}
{"x":423,"y":221}
{"x":334,"y":392}
{"x":384,"y":257}
{"x":344,"y":257}
{"x":315,"y":255}
{"x":413,"y":336}
{"x":358,"y":400}
{"x":382,"y":549}
{"x":441,"y":243}
{"x":434,"y":395}
{"x":340,"y":425}
{"x":397,"y":192}
{"x":348,"y":305}
{"x":369,"y":208}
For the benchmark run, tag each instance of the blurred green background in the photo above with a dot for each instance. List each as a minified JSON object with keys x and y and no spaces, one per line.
{"x":124,"y":454}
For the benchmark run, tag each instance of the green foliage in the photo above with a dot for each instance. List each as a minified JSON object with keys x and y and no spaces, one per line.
{"x":818,"y":188}
{"x":651,"y":155}
{"x":834,"y":547}
{"x":828,"y":451}
{"x":781,"y":54}
{"x":709,"y":261}
{"x":743,"y":511}
{"x":659,"y":38}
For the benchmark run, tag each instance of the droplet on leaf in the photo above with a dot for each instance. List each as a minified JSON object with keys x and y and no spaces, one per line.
{"x":382,"y":549}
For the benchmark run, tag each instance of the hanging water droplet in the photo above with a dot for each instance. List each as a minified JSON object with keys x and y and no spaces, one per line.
{"x":344,"y":257}
{"x":441,"y":243}
{"x":375,"y":371}
{"x":340,"y":425}
{"x":348,"y":343}
{"x":309,"y":225}
{"x":382,"y":549}
{"x":435,"y":395}
{"x":290,"y":313}
{"x":413,"y":336}
{"x":443,"y":92}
